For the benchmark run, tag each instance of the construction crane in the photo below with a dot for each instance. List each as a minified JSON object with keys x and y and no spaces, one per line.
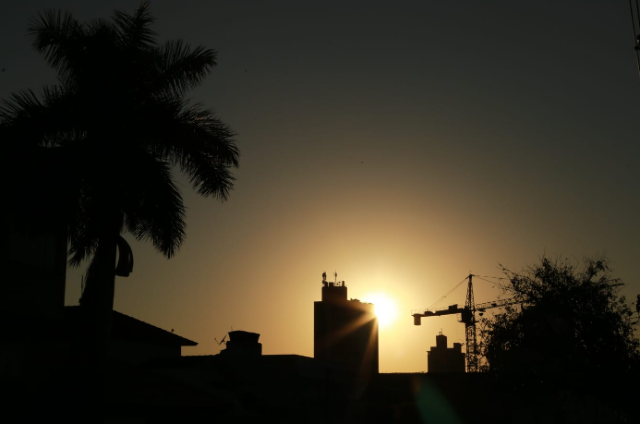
{"x":468,"y":317}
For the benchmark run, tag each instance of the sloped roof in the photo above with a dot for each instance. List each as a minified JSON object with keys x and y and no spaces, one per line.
{"x":129,"y":329}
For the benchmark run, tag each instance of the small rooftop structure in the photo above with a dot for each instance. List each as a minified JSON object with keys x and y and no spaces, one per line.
{"x":442,"y":359}
{"x":243,"y":343}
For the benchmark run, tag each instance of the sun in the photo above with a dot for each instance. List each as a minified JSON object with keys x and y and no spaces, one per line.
{"x":385,"y":308}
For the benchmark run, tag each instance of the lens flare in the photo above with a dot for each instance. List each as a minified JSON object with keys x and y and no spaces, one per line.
{"x":385,"y":308}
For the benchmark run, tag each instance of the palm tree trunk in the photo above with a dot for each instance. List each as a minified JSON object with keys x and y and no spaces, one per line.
{"x":97,"y":308}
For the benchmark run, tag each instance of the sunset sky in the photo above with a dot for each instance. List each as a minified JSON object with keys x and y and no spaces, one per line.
{"x":400,"y":144}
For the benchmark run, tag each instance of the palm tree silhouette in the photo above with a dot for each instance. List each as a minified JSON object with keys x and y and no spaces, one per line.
{"x":103,"y":141}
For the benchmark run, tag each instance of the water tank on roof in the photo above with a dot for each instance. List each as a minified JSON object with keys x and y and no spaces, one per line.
{"x":243,"y":336}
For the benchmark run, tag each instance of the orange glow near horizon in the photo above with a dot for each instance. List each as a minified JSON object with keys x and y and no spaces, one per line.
{"x":385,"y":308}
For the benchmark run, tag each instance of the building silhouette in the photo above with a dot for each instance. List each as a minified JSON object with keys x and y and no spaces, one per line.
{"x":345,"y":331}
{"x":34,"y":263}
{"x":243,"y":343}
{"x":443,"y":359}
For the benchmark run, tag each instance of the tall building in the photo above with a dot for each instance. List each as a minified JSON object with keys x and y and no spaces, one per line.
{"x":443,"y":359}
{"x":345,"y":331}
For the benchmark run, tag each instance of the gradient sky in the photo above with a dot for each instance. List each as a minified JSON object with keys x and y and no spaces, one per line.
{"x":402,"y":146}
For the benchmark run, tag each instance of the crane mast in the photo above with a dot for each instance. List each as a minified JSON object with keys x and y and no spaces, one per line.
{"x":470,"y":329}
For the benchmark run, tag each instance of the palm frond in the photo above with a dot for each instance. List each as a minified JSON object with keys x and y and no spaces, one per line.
{"x":153,"y":206}
{"x":213,"y":136}
{"x":21,"y":104}
{"x":134,"y":29}
{"x":58,"y":36}
{"x":183,"y":67}
{"x":52,"y":120}
{"x":192,"y":138}
{"x":81,"y":245}
{"x":208,"y":154}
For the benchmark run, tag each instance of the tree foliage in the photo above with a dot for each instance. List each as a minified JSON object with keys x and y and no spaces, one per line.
{"x":102,"y":142}
{"x":566,"y":319}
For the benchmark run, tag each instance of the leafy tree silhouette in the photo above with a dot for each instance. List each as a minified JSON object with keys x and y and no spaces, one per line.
{"x":100,"y":144}
{"x":572,"y":320}
{"x":570,"y":335}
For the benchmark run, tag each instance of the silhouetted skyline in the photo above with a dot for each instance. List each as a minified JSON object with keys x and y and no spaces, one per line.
{"x":402,"y":145}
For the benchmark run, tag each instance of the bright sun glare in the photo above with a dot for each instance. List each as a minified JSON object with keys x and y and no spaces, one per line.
{"x":385,"y":307}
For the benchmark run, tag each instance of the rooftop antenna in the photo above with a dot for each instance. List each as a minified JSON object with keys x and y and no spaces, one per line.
{"x":221,"y":341}
{"x":335,"y":277}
